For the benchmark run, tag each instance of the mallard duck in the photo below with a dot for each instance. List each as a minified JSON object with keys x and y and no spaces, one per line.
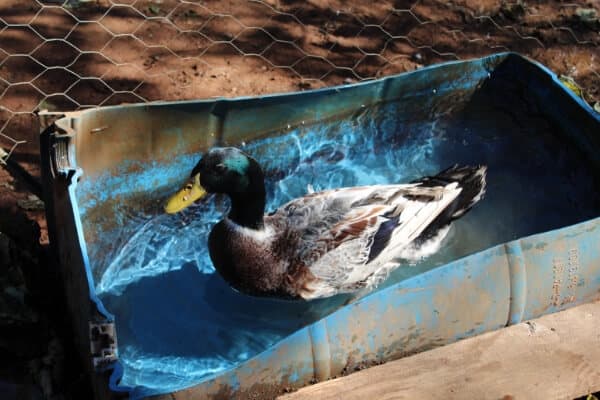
{"x":335,"y":241}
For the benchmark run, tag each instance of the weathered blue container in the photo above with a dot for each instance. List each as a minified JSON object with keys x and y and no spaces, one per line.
{"x":133,"y":151}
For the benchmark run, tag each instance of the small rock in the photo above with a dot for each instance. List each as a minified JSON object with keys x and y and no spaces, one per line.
{"x":154,"y":9}
{"x":513,"y":11}
{"x":32,"y":203}
{"x":532,"y":327}
{"x":588,"y":16}
{"x":6,"y":184}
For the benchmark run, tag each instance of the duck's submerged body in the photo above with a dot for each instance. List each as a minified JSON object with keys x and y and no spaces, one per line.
{"x":342,"y":240}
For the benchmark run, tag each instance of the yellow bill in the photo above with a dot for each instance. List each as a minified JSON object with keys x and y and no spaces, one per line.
{"x":185,"y":197}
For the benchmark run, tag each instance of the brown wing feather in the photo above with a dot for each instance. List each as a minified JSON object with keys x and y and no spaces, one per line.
{"x":356,"y":223}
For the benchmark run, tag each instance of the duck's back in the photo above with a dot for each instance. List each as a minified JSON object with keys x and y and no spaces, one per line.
{"x":344,"y":240}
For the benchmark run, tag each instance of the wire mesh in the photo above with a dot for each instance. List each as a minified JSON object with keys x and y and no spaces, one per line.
{"x":73,"y":54}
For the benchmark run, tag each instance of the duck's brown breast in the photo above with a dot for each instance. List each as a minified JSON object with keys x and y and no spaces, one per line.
{"x":253,"y":262}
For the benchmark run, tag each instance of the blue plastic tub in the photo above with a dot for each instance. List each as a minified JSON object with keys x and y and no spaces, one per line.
{"x":530,"y":248}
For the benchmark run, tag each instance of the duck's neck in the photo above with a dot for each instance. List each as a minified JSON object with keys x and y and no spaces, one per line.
{"x":248,"y":207}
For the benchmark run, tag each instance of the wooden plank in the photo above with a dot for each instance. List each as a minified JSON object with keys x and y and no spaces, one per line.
{"x":553,"y":357}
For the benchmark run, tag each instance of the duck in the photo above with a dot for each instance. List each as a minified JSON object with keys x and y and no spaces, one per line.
{"x":325,"y":243}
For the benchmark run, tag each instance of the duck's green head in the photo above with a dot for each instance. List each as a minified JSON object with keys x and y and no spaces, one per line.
{"x":221,"y":170}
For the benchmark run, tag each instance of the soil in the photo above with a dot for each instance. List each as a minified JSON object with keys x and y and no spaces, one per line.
{"x":113,"y":52}
{"x":235,"y":48}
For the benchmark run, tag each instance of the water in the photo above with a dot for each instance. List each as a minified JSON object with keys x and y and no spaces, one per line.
{"x":179,"y":323}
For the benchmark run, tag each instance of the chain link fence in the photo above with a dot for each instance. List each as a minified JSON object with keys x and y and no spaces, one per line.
{"x":73,"y":54}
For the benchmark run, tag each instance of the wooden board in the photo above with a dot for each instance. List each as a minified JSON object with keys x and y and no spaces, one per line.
{"x":553,"y":357}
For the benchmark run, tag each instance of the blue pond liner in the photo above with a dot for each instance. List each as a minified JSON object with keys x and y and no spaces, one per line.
{"x":181,"y":329}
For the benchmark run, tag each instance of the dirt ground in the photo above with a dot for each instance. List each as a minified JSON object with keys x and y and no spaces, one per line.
{"x":103,"y":52}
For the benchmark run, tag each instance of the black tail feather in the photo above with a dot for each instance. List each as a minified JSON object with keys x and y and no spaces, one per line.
{"x":471,"y":179}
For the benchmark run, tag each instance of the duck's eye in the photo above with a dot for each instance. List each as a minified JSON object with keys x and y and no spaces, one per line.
{"x":188,"y":187}
{"x":220,"y":168}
